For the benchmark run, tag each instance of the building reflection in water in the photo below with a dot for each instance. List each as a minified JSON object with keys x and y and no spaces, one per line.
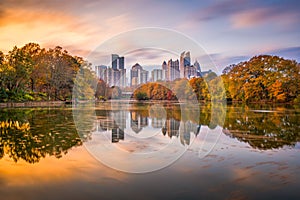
{"x":186,"y":128}
{"x":260,"y":129}
{"x":171,"y":127}
{"x":137,"y":122}
{"x":117,"y":134}
{"x":116,"y":122}
{"x":157,"y":122}
{"x":183,"y":130}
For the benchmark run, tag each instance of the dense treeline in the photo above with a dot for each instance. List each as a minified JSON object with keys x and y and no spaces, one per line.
{"x":104,"y":92}
{"x":154,"y":91}
{"x":34,"y":73}
{"x":180,"y":89}
{"x":202,"y":89}
{"x":261,"y":79}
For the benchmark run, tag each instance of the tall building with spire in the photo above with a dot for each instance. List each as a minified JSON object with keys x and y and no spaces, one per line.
{"x":185,"y":61}
{"x":197,"y":66}
{"x":164,"y":68}
{"x":138,"y":75}
{"x":190,"y":72}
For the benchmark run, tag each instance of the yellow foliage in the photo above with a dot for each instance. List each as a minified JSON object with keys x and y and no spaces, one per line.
{"x":15,"y":125}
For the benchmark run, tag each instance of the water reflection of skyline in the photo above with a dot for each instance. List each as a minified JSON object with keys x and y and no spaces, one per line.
{"x":273,"y":173}
{"x":52,"y":132}
{"x":122,"y":121}
{"x":262,"y":130}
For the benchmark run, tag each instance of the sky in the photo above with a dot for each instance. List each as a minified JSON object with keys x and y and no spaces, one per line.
{"x":228,"y":31}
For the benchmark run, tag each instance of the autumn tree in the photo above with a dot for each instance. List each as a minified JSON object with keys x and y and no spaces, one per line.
{"x":156,"y":91}
{"x":85,"y":83}
{"x":33,"y":52}
{"x":102,"y":89}
{"x":200,"y":88}
{"x":15,"y":71}
{"x":216,"y":89}
{"x":31,"y":70}
{"x":263,"y":78}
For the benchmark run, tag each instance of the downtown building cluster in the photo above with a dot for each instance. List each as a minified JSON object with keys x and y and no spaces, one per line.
{"x":114,"y":75}
{"x":170,"y":71}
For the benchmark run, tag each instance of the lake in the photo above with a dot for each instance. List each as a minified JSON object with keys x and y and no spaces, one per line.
{"x":152,"y":150}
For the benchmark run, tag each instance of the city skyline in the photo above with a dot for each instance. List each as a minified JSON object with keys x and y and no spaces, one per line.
{"x":115,"y":75}
{"x":229,"y":31}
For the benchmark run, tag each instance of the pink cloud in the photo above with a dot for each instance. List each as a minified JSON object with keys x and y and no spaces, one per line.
{"x":260,"y":16}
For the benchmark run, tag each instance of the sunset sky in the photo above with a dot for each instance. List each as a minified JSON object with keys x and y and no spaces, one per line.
{"x":229,"y":31}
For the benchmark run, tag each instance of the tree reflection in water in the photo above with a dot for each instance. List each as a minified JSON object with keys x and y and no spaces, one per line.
{"x":263,"y":127}
{"x":32,"y":134}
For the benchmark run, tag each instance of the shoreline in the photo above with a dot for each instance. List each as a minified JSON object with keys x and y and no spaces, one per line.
{"x":32,"y":104}
{"x":64,"y":103}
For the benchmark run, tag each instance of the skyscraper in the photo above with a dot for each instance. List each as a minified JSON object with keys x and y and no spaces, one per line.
{"x":172,"y":71}
{"x":158,"y":74}
{"x":101,"y":72}
{"x":190,"y":72}
{"x":164,"y":68}
{"x":123,"y":79}
{"x":144,"y":76}
{"x":117,"y":62}
{"x":138,"y":75}
{"x":121,"y":62}
{"x":197,"y":66}
{"x":114,"y":61}
{"x":185,"y":61}
{"x":110,"y":77}
{"x":116,"y":76}
{"x":134,"y":74}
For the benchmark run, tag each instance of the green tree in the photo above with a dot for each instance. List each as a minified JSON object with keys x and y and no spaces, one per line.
{"x":141,"y":96}
{"x":15,"y":70}
{"x":85,"y":83}
{"x":19,"y":68}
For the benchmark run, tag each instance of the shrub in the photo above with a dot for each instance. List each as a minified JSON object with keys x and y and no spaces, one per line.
{"x":141,"y":96}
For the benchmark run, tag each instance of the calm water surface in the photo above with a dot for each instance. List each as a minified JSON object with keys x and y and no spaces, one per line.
{"x":229,"y":152}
